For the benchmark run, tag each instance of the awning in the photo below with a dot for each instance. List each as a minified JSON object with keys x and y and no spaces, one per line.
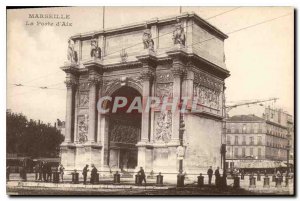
{"x":57,"y":160}
{"x":260,"y":164}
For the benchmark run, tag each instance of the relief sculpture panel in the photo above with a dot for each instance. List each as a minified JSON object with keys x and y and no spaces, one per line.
{"x":82,"y":128}
{"x":164,"y":86}
{"x":163,"y":130}
{"x":121,"y":132}
{"x":207,"y":90}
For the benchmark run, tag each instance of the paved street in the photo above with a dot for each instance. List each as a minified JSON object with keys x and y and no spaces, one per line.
{"x":127,"y":187}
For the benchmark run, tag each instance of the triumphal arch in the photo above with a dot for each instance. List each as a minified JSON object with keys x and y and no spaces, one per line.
{"x":174,"y":57}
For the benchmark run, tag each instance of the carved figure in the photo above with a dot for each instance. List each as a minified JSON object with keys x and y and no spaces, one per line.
{"x":72,"y":54}
{"x":178,"y":34}
{"x":82,"y":129}
{"x":164,"y":127}
{"x":95,"y":49}
{"x":123,"y":55}
{"x":147,"y":40}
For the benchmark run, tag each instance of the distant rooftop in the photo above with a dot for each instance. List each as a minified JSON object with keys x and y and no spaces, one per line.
{"x":246,"y":118}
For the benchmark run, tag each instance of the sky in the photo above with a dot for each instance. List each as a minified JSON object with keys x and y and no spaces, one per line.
{"x":260,"y":59}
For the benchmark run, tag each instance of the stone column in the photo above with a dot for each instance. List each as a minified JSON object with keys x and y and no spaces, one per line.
{"x":147,"y":78}
{"x":177,"y":76}
{"x":148,"y":61}
{"x":71,"y":84}
{"x":93,"y":83}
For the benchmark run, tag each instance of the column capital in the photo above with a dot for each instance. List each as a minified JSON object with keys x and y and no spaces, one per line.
{"x":71,"y":83}
{"x":94,"y":81}
{"x":177,"y":72}
{"x":147,"y":75}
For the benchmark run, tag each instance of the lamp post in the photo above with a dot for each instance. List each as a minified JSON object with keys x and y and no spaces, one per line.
{"x":288,"y":151}
{"x":223,"y":152}
{"x":181,"y":131}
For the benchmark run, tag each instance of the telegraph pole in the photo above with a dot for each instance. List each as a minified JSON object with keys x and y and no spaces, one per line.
{"x":103,"y":17}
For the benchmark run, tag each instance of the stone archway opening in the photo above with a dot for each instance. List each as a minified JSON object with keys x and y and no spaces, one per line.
{"x":124,"y":131}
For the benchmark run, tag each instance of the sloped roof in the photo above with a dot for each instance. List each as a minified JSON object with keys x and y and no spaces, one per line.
{"x":247,"y":118}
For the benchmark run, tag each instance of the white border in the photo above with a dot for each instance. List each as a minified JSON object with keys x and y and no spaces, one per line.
{"x":3,"y":5}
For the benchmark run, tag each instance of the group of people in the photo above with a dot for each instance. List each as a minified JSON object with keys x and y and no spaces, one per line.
{"x":217,"y":175}
{"x":94,"y":175}
{"x":43,"y":171}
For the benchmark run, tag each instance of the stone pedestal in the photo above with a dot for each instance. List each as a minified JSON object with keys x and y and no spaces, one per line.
{"x":68,"y":154}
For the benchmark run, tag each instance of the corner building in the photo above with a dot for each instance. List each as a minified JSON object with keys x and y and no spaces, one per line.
{"x":180,"y":56}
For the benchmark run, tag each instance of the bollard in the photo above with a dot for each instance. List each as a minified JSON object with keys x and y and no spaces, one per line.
{"x":278,"y":182}
{"x":224,"y":181}
{"x":252,"y":182}
{"x":180,"y":180}
{"x":266,"y":182}
{"x":236,"y":182}
{"x":287,"y":181}
{"x":75,"y":177}
{"x":117,"y":178}
{"x":258,"y":177}
{"x":159,"y":179}
{"x":200,"y":180}
{"x":137,"y":180}
{"x":273,"y":178}
{"x":96,"y":179}
{"x":7,"y":176}
{"x":55,"y":177}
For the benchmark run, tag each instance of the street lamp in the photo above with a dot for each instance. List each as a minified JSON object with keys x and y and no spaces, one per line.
{"x":288,"y":150}
{"x":223,"y":151}
{"x":181,"y":132}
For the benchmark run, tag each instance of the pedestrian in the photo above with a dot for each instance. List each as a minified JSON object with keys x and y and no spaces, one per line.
{"x":49,"y":172}
{"x":7,"y":173}
{"x":217,"y":175}
{"x":40,"y":170}
{"x":84,"y":173}
{"x":44,"y":170}
{"x":278,"y":176}
{"x":93,"y":174}
{"x":61,"y":171}
{"x":209,"y":173}
{"x":142,"y":175}
{"x":36,"y":171}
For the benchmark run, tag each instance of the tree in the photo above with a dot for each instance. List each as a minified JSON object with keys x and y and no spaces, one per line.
{"x":31,"y":138}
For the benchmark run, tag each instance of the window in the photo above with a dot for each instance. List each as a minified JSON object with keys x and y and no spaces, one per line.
{"x":251,"y":140}
{"x":259,"y":152}
{"x":244,"y":140}
{"x":244,"y":129}
{"x":251,"y":128}
{"x":251,"y":151}
{"x":236,"y":140}
{"x":228,"y":141}
{"x":255,"y":127}
{"x":259,"y":128}
{"x":243,"y":152}
{"x":259,"y":140}
{"x":236,"y":152}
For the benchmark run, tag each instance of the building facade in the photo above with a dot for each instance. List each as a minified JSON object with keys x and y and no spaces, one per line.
{"x":255,"y":142}
{"x":158,"y":58}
